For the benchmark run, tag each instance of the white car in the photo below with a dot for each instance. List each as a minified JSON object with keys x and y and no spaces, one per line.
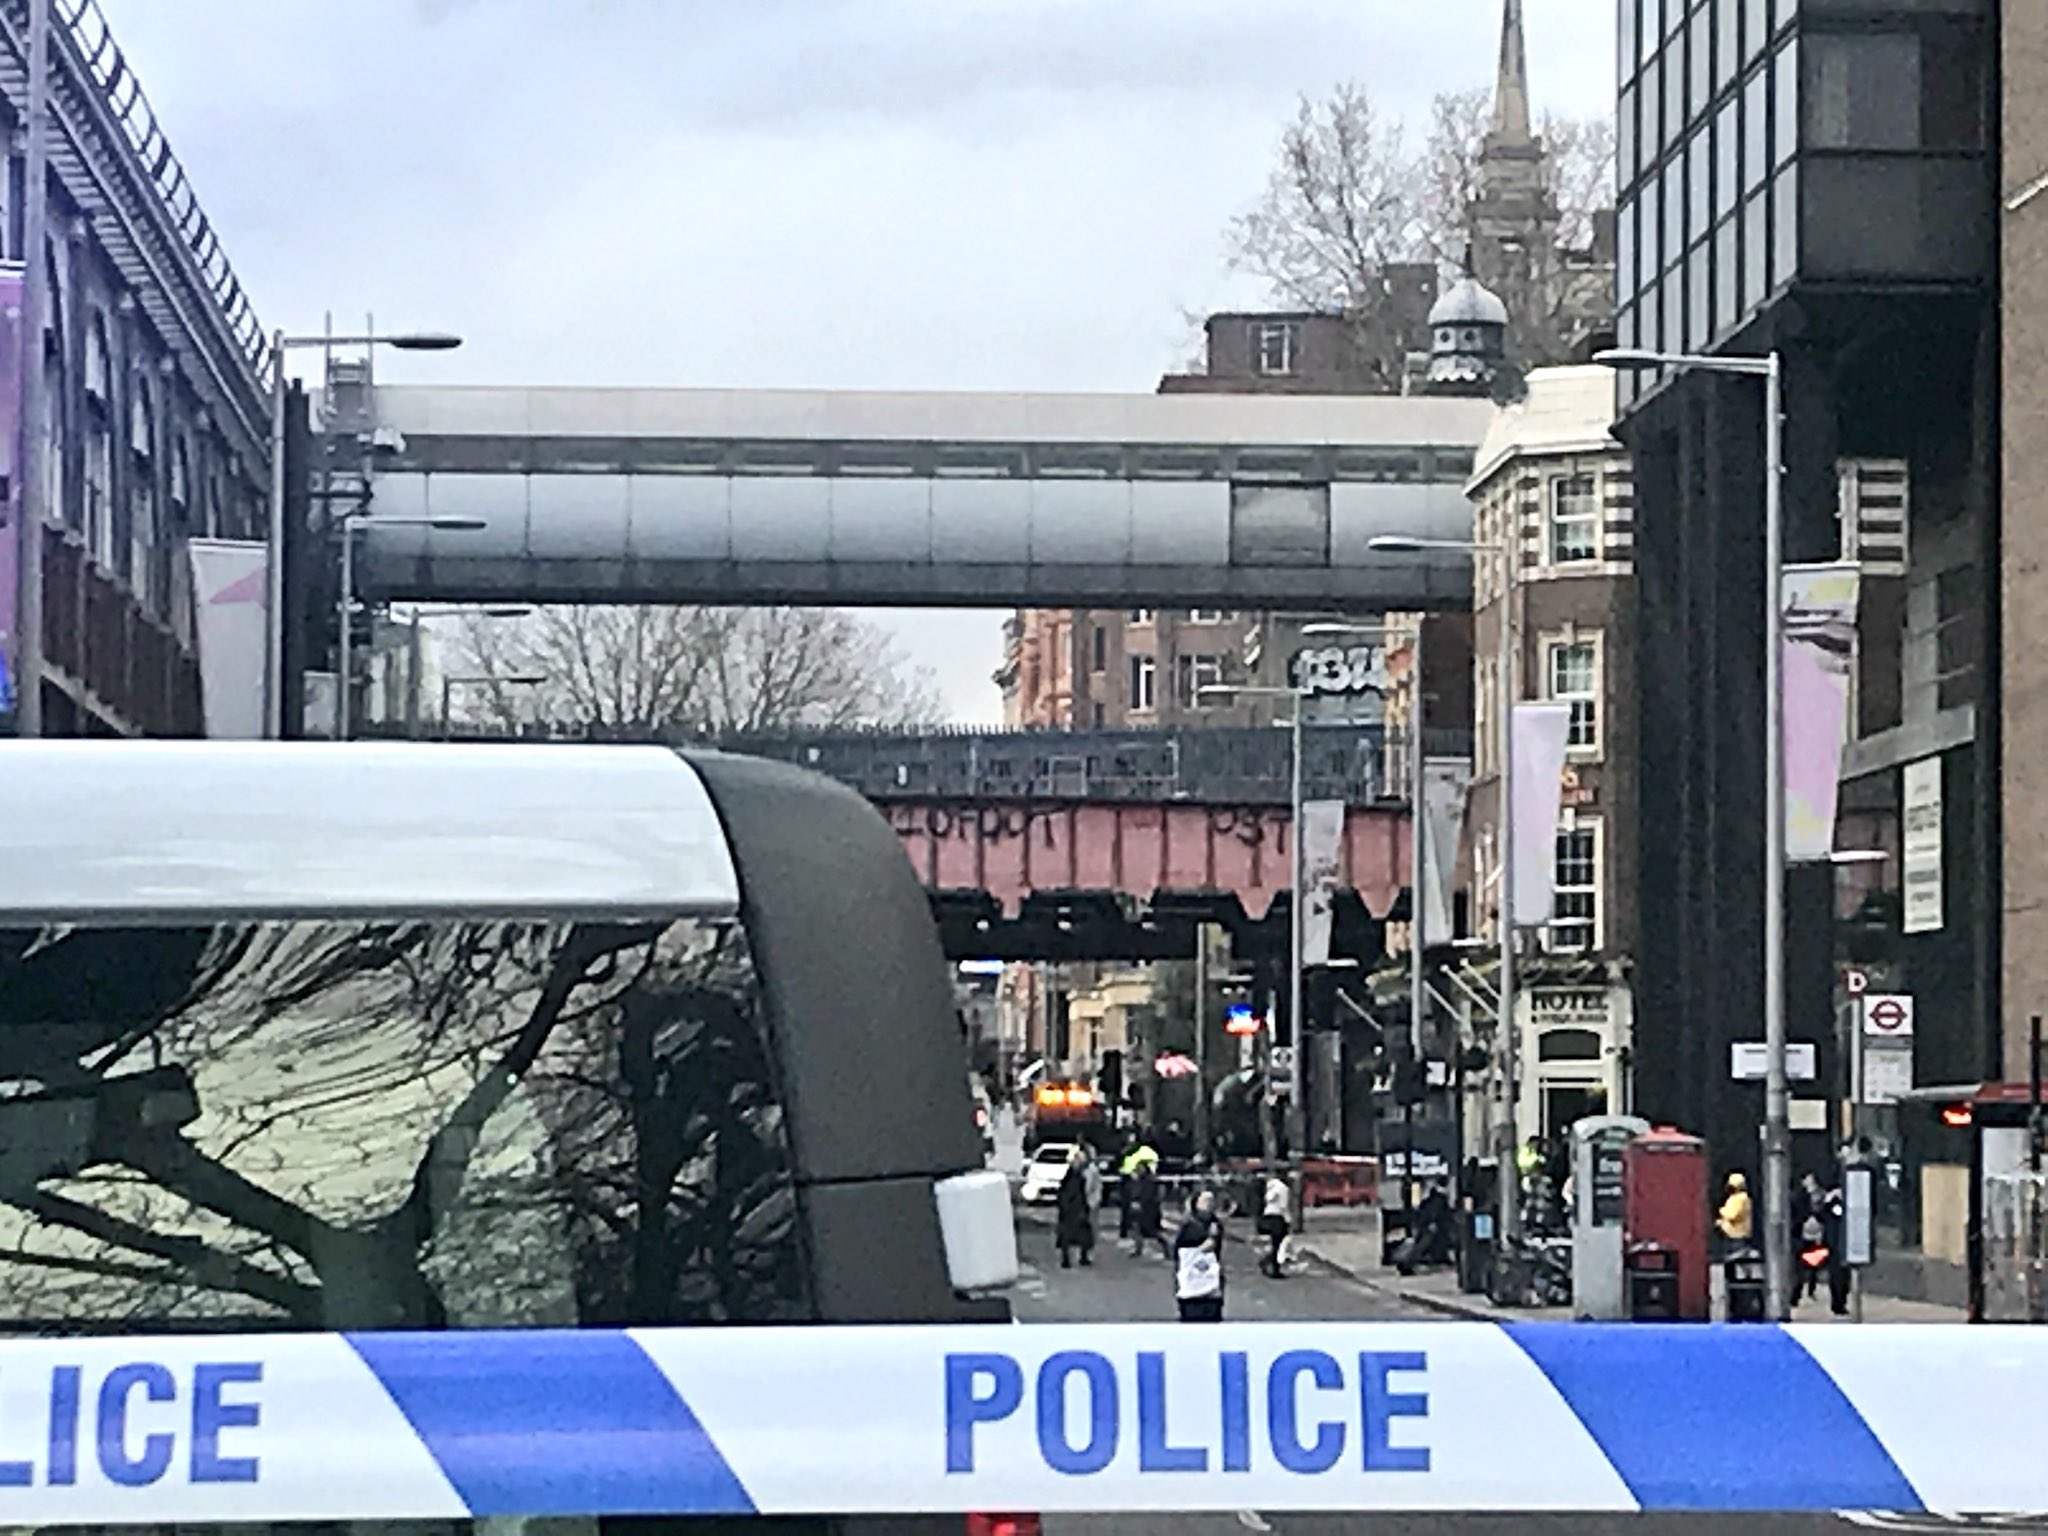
{"x":1043,"y":1173}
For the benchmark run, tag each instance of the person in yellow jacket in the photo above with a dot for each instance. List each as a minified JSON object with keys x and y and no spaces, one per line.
{"x":1736,"y":1220}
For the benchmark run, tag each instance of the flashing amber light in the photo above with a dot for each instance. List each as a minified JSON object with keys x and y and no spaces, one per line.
{"x":1957,"y":1115}
{"x":1052,"y":1096}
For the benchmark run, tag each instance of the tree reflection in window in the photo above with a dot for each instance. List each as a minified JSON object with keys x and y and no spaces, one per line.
{"x":390,"y":1125}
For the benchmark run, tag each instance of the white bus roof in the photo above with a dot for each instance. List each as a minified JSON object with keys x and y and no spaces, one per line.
{"x":181,"y":832}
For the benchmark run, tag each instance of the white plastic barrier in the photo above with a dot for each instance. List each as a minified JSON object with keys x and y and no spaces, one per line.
{"x":1314,"y":1416}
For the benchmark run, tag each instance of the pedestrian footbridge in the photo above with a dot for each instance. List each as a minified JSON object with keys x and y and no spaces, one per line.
{"x":773,"y":496}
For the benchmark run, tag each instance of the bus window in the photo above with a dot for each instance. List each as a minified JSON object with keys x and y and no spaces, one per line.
{"x":314,"y":1125}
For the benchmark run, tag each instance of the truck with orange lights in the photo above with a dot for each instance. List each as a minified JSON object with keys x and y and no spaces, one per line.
{"x":1068,"y":1111}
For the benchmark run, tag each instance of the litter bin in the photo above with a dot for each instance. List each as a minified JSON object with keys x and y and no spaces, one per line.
{"x":1650,"y":1271}
{"x":1744,"y":1272}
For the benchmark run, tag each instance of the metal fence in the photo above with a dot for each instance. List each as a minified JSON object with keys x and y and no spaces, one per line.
{"x":1235,"y":765}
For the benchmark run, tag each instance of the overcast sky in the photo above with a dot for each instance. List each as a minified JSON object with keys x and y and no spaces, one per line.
{"x":927,"y":194}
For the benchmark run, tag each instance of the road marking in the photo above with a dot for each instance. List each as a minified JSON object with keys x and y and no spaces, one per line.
{"x":1933,"y":1524}
{"x":1252,"y":1520}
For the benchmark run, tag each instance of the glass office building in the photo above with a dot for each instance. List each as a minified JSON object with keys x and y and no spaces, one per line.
{"x":1815,"y":177}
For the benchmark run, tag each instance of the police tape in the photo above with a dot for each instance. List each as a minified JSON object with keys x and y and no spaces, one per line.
{"x":942,"y":1419}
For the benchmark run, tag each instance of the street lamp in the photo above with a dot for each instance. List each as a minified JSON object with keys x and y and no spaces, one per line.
{"x":1417,"y":869}
{"x":33,"y":391}
{"x":345,"y":604}
{"x":1510,"y":1041}
{"x":1338,"y":630}
{"x":1777,"y":1092}
{"x":479,"y":680}
{"x":1296,"y":1120}
{"x":416,"y":648}
{"x":274,"y":620}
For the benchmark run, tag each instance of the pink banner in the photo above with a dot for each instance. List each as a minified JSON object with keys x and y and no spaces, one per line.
{"x":1541,"y":734}
{"x":230,"y":601}
{"x":1819,"y":653}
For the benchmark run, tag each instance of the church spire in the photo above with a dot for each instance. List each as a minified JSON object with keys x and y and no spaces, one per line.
{"x":1511,"y":91}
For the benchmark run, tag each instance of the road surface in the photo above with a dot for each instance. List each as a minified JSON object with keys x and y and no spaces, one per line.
{"x":1120,"y":1288}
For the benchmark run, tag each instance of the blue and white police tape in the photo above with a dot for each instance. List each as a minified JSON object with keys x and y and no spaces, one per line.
{"x":1332,"y":1416}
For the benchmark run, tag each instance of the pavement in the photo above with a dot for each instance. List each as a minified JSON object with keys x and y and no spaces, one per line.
{"x":1337,"y":1245}
{"x":1347,"y":1242}
{"x":1120,"y":1288}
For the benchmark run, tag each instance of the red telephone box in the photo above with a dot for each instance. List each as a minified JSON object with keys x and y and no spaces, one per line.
{"x":1664,"y":1204}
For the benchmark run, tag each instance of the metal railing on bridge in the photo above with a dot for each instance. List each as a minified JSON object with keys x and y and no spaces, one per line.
{"x":86,"y":27}
{"x":1231,"y":765}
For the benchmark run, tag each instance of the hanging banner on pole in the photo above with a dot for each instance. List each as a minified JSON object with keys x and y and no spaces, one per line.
{"x":1444,"y":782}
{"x":1819,"y":655}
{"x":230,"y":606}
{"x":12,"y":327}
{"x":1322,"y":847}
{"x":1537,"y":778}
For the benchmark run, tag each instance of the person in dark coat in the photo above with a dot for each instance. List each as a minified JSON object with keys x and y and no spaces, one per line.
{"x":1074,"y":1218}
{"x":1809,"y":1218}
{"x":1834,"y":1211}
{"x":1198,"y":1263}
{"x":1148,"y":1199}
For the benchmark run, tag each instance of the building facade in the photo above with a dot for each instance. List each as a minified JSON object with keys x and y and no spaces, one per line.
{"x":154,"y":408}
{"x":1819,"y":181}
{"x":2014,"y":607}
{"x":1551,"y":486}
{"x":1123,"y":668}
{"x":1309,"y":352}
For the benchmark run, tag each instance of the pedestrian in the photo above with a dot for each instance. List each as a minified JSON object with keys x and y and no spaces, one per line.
{"x":1074,"y":1217}
{"x":1139,"y":1155}
{"x":1198,"y":1263}
{"x":1274,"y":1225}
{"x":1736,"y":1220}
{"x":1810,"y":1210}
{"x":1151,"y":1196}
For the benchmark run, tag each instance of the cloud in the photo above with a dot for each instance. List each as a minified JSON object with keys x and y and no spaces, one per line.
{"x":841,"y":193}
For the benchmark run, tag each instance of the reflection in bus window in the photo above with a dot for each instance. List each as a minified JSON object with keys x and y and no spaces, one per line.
{"x":329,"y":1125}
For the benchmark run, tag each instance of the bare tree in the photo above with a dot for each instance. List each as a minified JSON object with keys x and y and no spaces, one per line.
{"x":715,"y":670}
{"x":1347,"y":198}
{"x":1339,"y":208}
{"x":1581,"y":167}
{"x":1448,"y":172}
{"x":392,"y":1125}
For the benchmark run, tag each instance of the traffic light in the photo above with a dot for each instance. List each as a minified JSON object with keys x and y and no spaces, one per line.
{"x":1110,"y":1079}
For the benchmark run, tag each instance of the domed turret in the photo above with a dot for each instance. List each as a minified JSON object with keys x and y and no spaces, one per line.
{"x":1468,"y":302}
{"x":1468,"y":334}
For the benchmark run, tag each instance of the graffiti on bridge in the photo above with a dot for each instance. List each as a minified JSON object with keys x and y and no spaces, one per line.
{"x":1255,"y":826}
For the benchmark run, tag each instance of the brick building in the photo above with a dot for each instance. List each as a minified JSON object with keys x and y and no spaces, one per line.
{"x":1551,"y":484}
